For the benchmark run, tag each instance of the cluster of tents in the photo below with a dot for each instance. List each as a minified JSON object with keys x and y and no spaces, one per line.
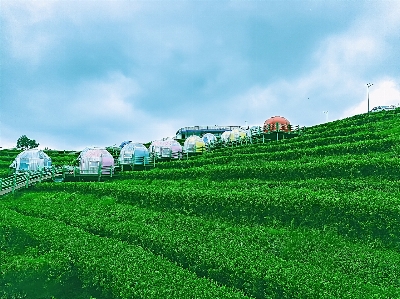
{"x":91,"y":160}
{"x":94,"y":160}
{"x":170,"y":148}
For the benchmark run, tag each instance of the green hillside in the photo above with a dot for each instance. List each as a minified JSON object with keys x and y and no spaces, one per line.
{"x":317,"y":216}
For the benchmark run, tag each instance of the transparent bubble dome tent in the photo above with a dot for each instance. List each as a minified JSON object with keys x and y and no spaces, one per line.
{"x":134,"y":154}
{"x":194,"y":144}
{"x":31,"y":160}
{"x":166,"y":149}
{"x":236,"y":134}
{"x":255,"y":130}
{"x":209,"y":139}
{"x":93,"y":160}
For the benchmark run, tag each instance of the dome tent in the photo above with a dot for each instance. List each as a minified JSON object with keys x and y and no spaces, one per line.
{"x":209,"y":139}
{"x":234,"y":135}
{"x":194,"y":144}
{"x":134,"y":154}
{"x":271,"y":124}
{"x":31,"y":160}
{"x":255,"y":130}
{"x":94,"y":159}
{"x":164,"y":149}
{"x":123,"y":143}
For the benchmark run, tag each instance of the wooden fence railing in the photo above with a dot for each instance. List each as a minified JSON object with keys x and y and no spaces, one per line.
{"x":28,"y":178}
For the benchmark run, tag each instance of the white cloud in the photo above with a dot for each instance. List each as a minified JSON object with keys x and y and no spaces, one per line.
{"x":80,"y":69}
{"x":385,"y":92}
{"x":336,"y":81}
{"x":112,"y":97}
{"x":7,"y":143}
{"x":32,"y":28}
{"x":18,"y":19}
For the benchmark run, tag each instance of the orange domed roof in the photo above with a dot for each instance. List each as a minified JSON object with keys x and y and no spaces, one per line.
{"x":270,"y":124}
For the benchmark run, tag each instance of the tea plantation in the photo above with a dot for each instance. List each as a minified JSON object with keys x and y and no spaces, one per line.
{"x":317,"y":216}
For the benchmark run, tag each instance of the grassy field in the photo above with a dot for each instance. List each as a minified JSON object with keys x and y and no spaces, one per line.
{"x":316,"y":216}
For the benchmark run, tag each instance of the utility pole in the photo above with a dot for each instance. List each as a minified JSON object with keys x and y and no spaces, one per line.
{"x":326,"y":113}
{"x":368,"y":86}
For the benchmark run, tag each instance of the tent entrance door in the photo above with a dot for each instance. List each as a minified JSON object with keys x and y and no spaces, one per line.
{"x":24,"y":164}
{"x":94,"y":166}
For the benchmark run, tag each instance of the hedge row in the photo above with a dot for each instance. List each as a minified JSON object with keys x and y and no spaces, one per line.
{"x":114,"y":268}
{"x":262,"y":262}
{"x":371,"y":214}
{"x":277,"y":154}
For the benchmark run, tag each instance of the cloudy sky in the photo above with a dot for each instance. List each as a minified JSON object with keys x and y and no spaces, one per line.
{"x":95,"y":73}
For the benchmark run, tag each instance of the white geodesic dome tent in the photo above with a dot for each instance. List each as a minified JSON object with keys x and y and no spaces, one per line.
{"x":255,"y":130}
{"x":164,"y":149}
{"x":95,"y":160}
{"x":134,"y":154}
{"x":236,"y":134}
{"x":209,"y":139}
{"x":194,"y":144}
{"x":31,"y":160}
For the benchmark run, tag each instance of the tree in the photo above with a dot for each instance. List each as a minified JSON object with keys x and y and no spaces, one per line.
{"x":24,"y":143}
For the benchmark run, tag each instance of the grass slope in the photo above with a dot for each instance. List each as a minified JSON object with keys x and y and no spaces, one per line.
{"x":311,"y":217}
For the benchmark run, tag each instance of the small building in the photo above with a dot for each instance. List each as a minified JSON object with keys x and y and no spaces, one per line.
{"x":383,"y":108}
{"x":134,"y":154}
{"x":185,"y":132}
{"x":277,"y":123}
{"x":194,"y":144}
{"x":236,"y":134}
{"x":166,"y":149}
{"x":31,"y":160}
{"x":95,"y":161}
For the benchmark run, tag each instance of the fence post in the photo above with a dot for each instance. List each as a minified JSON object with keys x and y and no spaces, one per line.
{"x":1,"y":184}
{"x":14,"y":182}
{"x":100,"y":165}
{"x":27,"y":179}
{"x":277,"y":128}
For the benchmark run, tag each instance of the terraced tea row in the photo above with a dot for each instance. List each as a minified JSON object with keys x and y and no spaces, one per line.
{"x":373,"y":122}
{"x":368,"y":214}
{"x":280,"y":153}
{"x":299,"y":143}
{"x":347,"y":166}
{"x":34,"y":274}
{"x":260,"y":261}
{"x":115,"y":268}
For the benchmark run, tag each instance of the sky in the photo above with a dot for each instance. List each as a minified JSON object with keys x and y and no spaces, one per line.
{"x":94,"y":73}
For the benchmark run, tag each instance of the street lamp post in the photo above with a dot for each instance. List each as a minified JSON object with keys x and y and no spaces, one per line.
{"x":368,"y":86}
{"x":326,"y":113}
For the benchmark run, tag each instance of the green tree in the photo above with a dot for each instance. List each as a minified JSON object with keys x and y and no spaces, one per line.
{"x":24,"y":143}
